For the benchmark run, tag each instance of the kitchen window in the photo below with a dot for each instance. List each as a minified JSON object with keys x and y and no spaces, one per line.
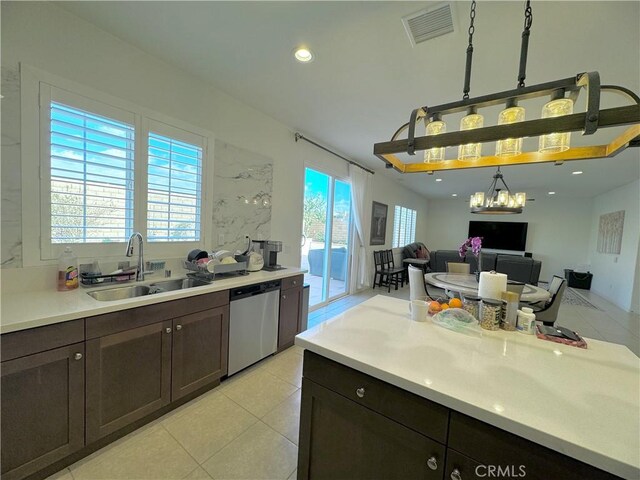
{"x":107,"y":169}
{"x":404,"y":226}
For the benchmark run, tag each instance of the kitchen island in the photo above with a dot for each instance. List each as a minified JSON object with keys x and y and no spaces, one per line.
{"x":386,"y":397}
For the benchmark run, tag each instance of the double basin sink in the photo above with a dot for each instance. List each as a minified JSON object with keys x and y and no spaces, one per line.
{"x":121,"y":293}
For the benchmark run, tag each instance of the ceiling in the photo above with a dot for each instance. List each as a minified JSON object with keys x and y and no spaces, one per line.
{"x":366,"y":77}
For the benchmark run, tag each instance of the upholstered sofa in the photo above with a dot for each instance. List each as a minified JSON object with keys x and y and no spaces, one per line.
{"x":409,"y":251}
{"x":520,"y":269}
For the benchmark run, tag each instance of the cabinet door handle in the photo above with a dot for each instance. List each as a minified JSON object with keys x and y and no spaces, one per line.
{"x":178,"y":327}
{"x":295,"y":282}
{"x":455,"y":475}
{"x":432,"y":463}
{"x":167,"y":330}
{"x":360,"y":392}
{"x":77,"y":356}
{"x":284,"y":297}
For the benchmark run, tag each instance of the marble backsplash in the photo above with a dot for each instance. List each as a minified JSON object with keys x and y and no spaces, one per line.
{"x":242,"y":190}
{"x":11,"y":183}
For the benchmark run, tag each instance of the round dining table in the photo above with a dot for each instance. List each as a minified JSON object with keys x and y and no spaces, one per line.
{"x":467,"y":285}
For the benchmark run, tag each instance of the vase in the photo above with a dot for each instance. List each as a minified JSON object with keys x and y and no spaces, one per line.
{"x":478,"y":266}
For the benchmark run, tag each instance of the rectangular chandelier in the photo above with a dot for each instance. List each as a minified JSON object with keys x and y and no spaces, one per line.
{"x":588,"y":122}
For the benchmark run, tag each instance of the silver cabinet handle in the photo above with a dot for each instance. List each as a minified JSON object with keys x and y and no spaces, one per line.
{"x":295,"y":282}
{"x":178,"y":327}
{"x":167,"y":330}
{"x":77,"y":356}
{"x":360,"y":392}
{"x":455,"y":475}
{"x":284,"y":297}
{"x":432,"y":463}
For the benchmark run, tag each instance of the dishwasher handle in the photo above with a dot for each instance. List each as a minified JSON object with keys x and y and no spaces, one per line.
{"x":251,"y":290}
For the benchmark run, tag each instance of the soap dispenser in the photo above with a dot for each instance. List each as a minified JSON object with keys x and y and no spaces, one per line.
{"x":67,"y":271}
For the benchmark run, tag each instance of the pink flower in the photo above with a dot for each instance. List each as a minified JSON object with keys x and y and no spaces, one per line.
{"x":474,"y":243}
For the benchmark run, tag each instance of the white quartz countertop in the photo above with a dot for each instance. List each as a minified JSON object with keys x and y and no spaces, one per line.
{"x":45,"y":307}
{"x":583,"y":403}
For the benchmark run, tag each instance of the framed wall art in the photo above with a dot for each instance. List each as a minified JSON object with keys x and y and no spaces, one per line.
{"x":378,"y":224}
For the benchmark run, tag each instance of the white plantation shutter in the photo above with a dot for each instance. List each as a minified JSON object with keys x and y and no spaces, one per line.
{"x":91,"y":176}
{"x":404,"y":226}
{"x":174,"y":196}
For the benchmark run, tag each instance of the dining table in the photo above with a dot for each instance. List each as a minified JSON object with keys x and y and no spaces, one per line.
{"x":466,"y":284}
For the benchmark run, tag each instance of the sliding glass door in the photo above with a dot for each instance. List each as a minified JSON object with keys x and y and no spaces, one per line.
{"x":326,"y":236}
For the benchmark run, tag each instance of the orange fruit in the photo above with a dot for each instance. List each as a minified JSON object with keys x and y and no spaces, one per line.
{"x":434,"y":307}
{"x":444,"y":306}
{"x":455,"y":303}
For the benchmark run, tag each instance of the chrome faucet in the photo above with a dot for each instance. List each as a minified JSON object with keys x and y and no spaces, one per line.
{"x":140,"y":270}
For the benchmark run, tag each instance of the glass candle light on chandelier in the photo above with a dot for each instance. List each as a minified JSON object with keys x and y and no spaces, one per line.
{"x":556,"y":142}
{"x":471,"y":151}
{"x":435,"y":127}
{"x":510,"y":147}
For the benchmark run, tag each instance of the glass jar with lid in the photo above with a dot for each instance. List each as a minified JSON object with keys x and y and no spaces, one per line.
{"x":471,"y":304}
{"x":490,"y":313}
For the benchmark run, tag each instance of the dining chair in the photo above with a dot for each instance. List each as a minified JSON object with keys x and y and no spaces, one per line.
{"x":394,"y":275}
{"x":378,"y":276}
{"x":548,"y":314}
{"x":458,"y":267}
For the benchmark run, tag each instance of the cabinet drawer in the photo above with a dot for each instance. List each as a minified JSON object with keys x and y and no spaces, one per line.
{"x":492,"y":446}
{"x":292,"y":282}
{"x":464,"y":468}
{"x":415,"y":412}
{"x":110,"y":323}
{"x":34,"y":340}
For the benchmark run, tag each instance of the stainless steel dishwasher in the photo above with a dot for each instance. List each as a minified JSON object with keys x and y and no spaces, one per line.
{"x":253,"y":324}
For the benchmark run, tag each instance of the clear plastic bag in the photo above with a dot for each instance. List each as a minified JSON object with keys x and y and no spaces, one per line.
{"x":458,"y":320}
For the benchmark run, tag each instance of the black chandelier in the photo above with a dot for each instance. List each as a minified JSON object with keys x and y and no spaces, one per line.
{"x":498,"y":200}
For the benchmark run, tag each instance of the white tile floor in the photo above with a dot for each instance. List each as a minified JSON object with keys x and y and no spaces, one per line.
{"x":247,"y":428}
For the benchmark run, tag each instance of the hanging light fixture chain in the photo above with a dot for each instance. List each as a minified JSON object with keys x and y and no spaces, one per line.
{"x":524,"y":48}
{"x":467,"y":74}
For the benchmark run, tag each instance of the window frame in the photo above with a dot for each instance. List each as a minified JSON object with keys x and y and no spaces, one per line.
{"x":38,"y":250}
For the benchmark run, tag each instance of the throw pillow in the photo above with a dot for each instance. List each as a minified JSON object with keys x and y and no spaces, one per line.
{"x":421,"y":253}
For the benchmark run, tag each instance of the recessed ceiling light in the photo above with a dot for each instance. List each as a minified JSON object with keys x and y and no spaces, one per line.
{"x":577,"y":172}
{"x":552,"y":193}
{"x":438,"y":179}
{"x":454,"y":194}
{"x":303,"y":54}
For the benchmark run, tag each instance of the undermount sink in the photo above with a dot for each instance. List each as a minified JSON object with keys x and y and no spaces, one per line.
{"x":120,"y":293}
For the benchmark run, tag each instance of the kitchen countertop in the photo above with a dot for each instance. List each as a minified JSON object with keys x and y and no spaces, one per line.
{"x":583,"y":403}
{"x":45,"y":307}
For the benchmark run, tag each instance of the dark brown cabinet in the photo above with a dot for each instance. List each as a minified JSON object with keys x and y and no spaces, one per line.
{"x":354,"y":442}
{"x":128,"y":377}
{"x":199,"y":353}
{"x":290,"y":311}
{"x":42,"y":409}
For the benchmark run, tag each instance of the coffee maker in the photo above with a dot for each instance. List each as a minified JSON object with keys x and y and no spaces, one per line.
{"x":270,"y":249}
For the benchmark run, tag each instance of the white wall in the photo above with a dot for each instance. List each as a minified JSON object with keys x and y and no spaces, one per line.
{"x":47,"y":37}
{"x":558,"y":231}
{"x":614,"y":275}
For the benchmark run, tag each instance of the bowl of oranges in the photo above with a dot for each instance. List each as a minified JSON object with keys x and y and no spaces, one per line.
{"x":437,"y":306}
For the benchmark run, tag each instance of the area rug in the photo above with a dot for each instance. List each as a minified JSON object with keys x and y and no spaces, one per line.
{"x":571,"y":297}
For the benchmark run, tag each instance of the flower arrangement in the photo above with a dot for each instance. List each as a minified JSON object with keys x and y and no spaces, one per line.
{"x":473,"y":243}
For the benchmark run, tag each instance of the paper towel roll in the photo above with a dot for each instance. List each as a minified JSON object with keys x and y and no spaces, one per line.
{"x":492,"y":284}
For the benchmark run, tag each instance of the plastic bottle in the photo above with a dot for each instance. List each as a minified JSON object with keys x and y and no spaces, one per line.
{"x":67,"y":270}
{"x":526,"y":321}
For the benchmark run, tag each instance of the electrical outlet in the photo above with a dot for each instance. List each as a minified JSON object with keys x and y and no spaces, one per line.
{"x":123,"y":265}
{"x":221,"y":239}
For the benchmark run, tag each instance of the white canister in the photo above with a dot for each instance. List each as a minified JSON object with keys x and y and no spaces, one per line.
{"x":526,"y":321}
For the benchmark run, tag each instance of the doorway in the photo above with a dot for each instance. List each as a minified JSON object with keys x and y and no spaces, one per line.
{"x":326,"y":237}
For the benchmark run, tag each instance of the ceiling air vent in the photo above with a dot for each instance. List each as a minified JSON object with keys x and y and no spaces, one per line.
{"x":429,"y":23}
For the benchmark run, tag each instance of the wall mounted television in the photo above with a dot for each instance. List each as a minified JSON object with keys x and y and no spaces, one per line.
{"x":500,"y":235}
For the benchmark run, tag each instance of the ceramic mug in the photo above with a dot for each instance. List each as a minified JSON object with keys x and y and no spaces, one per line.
{"x":419,"y":310}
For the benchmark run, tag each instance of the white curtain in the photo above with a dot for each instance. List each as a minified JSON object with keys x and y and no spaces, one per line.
{"x":361,"y":181}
